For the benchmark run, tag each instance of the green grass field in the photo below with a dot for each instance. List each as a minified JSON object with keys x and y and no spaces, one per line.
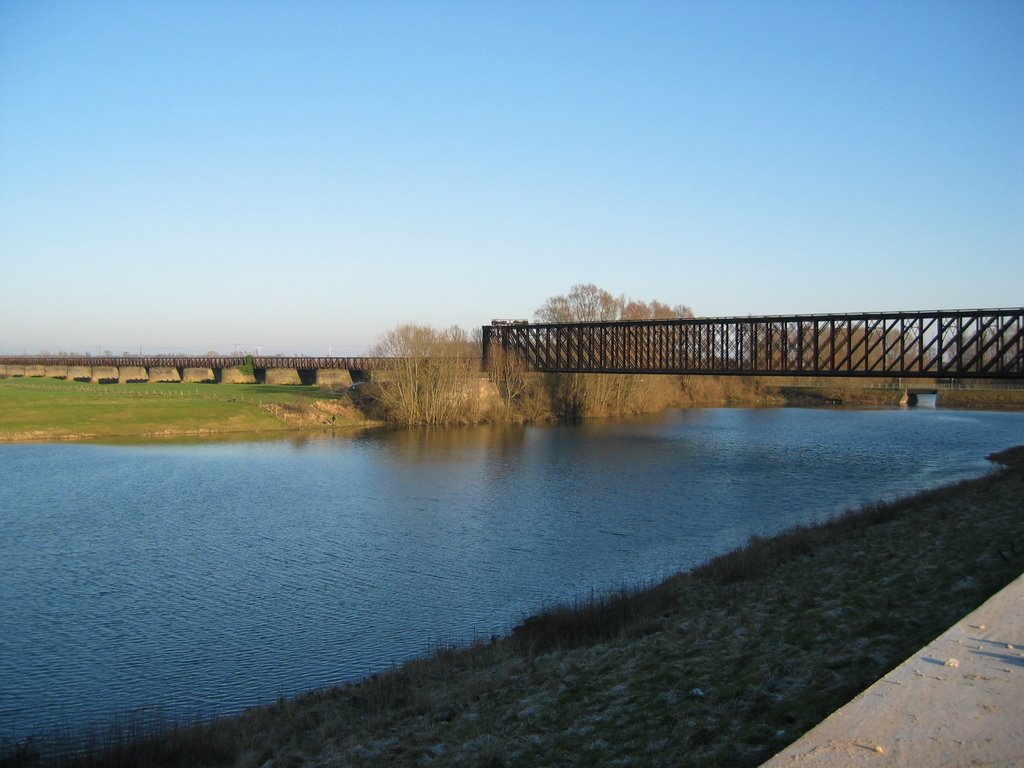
{"x":54,"y":409}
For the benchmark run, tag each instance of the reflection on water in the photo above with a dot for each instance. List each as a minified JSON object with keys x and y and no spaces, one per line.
{"x":203,"y":577}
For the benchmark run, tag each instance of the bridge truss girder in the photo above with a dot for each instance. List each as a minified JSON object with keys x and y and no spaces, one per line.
{"x":985,"y":344}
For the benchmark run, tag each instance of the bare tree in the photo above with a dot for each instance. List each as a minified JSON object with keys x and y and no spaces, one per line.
{"x":583,"y":303}
{"x":576,"y":396}
{"x":434,"y":378}
{"x":520,"y":391}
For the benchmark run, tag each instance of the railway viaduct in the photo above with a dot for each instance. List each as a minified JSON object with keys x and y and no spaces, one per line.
{"x":220,"y":369}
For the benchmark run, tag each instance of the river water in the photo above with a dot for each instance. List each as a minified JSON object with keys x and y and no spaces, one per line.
{"x":196,"y":579}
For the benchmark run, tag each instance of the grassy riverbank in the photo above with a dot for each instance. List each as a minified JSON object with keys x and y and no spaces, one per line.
{"x":53,"y":409}
{"x":723,"y":666}
{"x":36,"y":408}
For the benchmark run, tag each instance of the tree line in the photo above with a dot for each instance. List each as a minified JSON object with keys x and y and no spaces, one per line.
{"x":437,"y":378}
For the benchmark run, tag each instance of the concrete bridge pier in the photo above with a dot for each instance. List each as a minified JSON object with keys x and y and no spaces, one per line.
{"x":334,"y":377}
{"x":19,"y":371}
{"x":132,"y":375}
{"x":164,"y":374}
{"x":197,"y":375}
{"x":56,"y":372}
{"x":912,"y":397}
{"x":283,"y":376}
{"x":79,"y":373}
{"x":234,"y":375}
{"x":105,"y":374}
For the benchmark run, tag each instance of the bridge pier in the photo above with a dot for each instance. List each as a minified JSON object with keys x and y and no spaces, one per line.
{"x":79,"y":373}
{"x":912,"y":397}
{"x":282,"y":376}
{"x":197,"y":375}
{"x":104,"y":374}
{"x":234,"y":375}
{"x":56,"y":371}
{"x":334,"y":377}
{"x":132,"y":375}
{"x":164,"y":374}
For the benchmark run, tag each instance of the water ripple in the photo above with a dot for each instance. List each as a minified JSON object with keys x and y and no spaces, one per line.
{"x":205,"y":578}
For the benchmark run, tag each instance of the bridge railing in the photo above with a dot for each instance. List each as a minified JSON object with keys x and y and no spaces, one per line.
{"x":949,"y":344}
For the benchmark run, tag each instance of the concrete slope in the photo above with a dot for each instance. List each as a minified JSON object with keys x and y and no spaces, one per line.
{"x":957,"y":702}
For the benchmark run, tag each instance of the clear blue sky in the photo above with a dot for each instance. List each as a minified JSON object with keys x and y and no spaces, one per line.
{"x":303,"y":176}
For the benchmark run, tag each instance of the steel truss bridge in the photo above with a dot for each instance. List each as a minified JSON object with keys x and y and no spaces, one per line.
{"x":956,"y":344}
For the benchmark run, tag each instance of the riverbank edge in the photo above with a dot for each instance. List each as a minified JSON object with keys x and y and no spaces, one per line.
{"x":724,"y":665}
{"x":324,"y":410}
